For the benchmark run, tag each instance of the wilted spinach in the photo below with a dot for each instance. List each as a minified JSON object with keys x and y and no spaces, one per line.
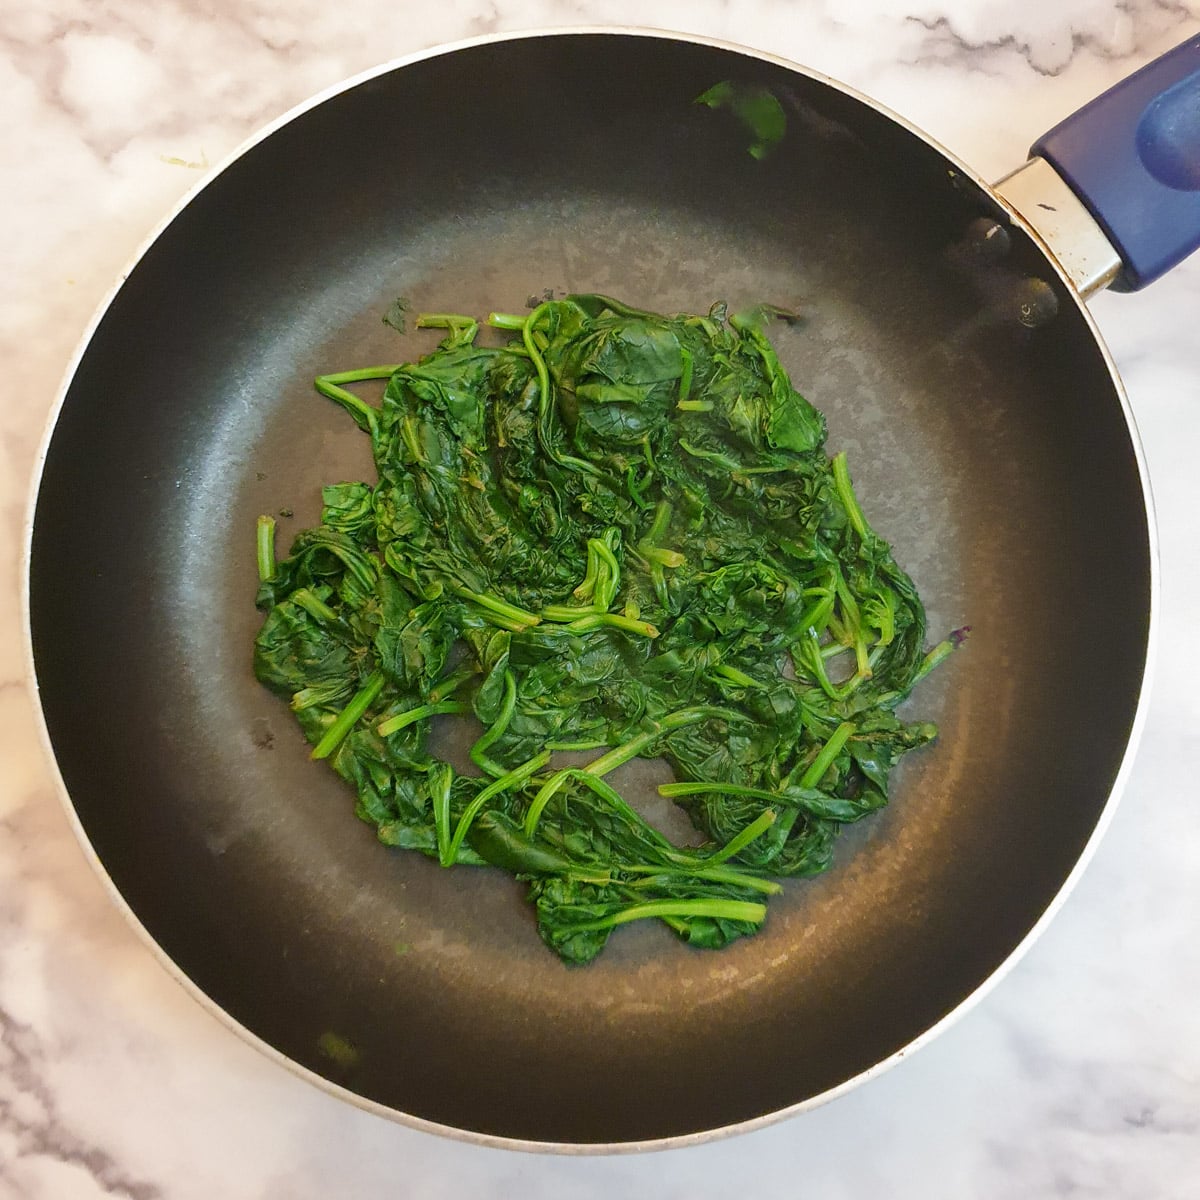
{"x":617,"y":532}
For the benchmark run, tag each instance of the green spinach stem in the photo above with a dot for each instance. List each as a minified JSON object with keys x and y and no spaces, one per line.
{"x":938,"y":654}
{"x":595,"y":620}
{"x":265,"y":547}
{"x":506,"y":320}
{"x":740,"y":841}
{"x":512,"y":779}
{"x":364,"y":415}
{"x":508,"y":705}
{"x":825,"y":757}
{"x":312,"y":605}
{"x":721,"y":910}
{"x":349,"y":716}
{"x":440,"y":779}
{"x":845,"y":491}
{"x":494,"y":604}
{"x":421,"y":713}
{"x":467,"y":327}
{"x":449,"y":684}
{"x":685,"y":378}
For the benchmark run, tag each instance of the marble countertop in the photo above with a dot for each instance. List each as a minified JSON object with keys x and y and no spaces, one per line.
{"x":1078,"y":1076}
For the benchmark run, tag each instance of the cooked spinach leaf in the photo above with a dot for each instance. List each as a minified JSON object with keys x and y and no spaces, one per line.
{"x":618,"y":532}
{"x":756,"y":107}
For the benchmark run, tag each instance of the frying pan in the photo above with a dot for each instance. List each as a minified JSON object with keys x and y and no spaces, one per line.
{"x":990,"y":440}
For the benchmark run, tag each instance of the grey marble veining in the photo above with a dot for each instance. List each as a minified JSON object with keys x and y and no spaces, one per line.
{"x":1079,"y":1076}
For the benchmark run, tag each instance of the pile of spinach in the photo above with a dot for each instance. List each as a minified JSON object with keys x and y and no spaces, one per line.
{"x":618,"y":532}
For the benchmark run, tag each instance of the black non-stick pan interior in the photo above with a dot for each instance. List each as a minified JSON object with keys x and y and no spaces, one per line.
{"x":995,"y":456}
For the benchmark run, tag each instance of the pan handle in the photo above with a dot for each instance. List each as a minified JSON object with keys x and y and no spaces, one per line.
{"x":1132,"y":157}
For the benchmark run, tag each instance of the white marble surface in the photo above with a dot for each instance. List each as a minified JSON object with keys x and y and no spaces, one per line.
{"x":1079,"y":1076}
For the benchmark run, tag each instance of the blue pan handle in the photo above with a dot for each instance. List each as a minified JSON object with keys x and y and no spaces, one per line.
{"x":1132,"y":156}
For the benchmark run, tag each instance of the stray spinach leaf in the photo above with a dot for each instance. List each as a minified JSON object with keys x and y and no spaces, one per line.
{"x":397,"y":314}
{"x":756,"y":107}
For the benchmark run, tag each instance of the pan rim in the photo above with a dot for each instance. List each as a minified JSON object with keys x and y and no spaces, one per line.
{"x":476,"y":1137}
